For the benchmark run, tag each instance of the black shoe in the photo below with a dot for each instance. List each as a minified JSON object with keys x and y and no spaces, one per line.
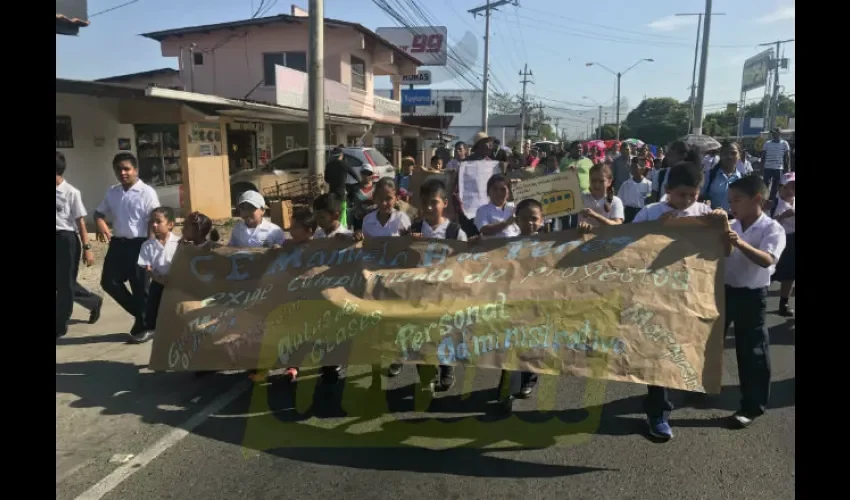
{"x":141,"y":337}
{"x":526,"y":390}
{"x":446,"y":379}
{"x":94,"y":315}
{"x":61,"y":332}
{"x":331,"y":374}
{"x":785,"y":312}
{"x":394,"y":370}
{"x":742,"y":419}
{"x":507,"y":405}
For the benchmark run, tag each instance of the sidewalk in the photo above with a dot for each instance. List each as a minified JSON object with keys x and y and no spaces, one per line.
{"x":108,"y":402}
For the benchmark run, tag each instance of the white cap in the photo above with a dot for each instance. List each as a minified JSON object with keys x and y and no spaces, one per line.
{"x":252,"y":198}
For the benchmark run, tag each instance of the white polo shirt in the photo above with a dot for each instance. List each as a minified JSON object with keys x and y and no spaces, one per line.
{"x":69,"y":207}
{"x":788,"y":223}
{"x":129,"y":209}
{"x":768,"y":236}
{"x":633,"y":194}
{"x":157,"y":255}
{"x":398,"y":222}
{"x":654,"y":211}
{"x":439,"y":232}
{"x":320,"y":233}
{"x":598,"y":206}
{"x":491,"y":214}
{"x":265,"y":234}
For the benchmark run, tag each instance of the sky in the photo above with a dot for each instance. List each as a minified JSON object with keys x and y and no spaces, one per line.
{"x":556,"y":38}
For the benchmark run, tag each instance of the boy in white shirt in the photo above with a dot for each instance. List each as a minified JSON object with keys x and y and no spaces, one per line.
{"x":757,"y":243}
{"x":253,"y":231}
{"x":635,"y":192}
{"x":683,"y":187}
{"x":496,"y":219}
{"x":433,"y":199}
{"x":155,"y":258}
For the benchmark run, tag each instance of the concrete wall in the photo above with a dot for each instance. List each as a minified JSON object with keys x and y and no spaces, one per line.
{"x":96,"y":130}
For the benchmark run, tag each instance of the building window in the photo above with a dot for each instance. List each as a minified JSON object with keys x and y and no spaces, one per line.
{"x":64,"y":133}
{"x":294,"y":60}
{"x":358,"y":73}
{"x":452,"y":106}
{"x":199,"y":59}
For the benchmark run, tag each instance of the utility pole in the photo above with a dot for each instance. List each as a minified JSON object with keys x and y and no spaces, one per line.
{"x":599,"y":131}
{"x":525,"y":73}
{"x":703,"y":67}
{"x":774,"y":99}
{"x":487,"y":8}
{"x":696,"y":58}
{"x":316,"y":88}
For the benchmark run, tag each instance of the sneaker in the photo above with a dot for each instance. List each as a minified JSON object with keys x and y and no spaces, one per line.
{"x":94,"y":315}
{"x":141,"y":337}
{"x":742,"y":419}
{"x":786,"y":312}
{"x":659,"y":428}
{"x":394,"y":370}
{"x":446,"y":379}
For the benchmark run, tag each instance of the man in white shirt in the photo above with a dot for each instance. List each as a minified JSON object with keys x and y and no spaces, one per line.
{"x":72,"y":241}
{"x":776,"y":159}
{"x":129,"y":204}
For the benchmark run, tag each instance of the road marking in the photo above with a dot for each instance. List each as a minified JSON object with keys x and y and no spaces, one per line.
{"x":120,"y":474}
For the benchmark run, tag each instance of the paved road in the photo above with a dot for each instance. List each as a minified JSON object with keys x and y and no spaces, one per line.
{"x":577,"y":439}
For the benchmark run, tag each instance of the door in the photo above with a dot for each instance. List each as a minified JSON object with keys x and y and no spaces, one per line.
{"x":243,"y":150}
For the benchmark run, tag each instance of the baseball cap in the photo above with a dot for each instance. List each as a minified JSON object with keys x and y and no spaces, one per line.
{"x":786,"y":178}
{"x":336,"y":151}
{"x":252,"y":198}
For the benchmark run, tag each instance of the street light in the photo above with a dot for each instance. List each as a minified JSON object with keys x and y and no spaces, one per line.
{"x":619,"y":75}
{"x":599,"y":131}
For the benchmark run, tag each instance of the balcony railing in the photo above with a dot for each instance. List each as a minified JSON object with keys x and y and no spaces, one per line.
{"x":291,"y":91}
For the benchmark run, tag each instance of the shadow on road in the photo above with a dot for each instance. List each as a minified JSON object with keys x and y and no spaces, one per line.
{"x":111,"y":338}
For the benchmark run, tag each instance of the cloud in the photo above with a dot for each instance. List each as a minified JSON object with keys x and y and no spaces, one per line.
{"x":780,"y":14}
{"x":671,"y":23}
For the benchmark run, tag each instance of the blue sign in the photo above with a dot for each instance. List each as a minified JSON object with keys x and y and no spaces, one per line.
{"x":752,"y":126}
{"x":416,"y":97}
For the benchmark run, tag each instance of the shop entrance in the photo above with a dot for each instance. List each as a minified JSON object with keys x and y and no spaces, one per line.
{"x":242,"y":146}
{"x":410,"y":147}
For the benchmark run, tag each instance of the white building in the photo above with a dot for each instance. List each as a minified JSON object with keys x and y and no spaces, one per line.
{"x":464,"y":106}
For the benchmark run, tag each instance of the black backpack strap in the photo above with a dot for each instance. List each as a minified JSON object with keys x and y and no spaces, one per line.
{"x":453,"y":231}
{"x":416,"y":227}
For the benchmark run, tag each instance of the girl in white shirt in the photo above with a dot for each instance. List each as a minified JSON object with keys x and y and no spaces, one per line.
{"x":198,"y":230}
{"x":601,"y":207}
{"x":155,"y":257}
{"x":784,"y":213}
{"x":496,"y":219}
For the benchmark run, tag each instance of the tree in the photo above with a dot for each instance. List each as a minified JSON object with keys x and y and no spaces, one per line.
{"x":503,"y":103}
{"x":787,"y":106}
{"x":658,"y":121}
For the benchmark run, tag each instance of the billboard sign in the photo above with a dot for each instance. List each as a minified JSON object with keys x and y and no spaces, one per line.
{"x":422,"y":77}
{"x":417,"y":97}
{"x":426,"y":43}
{"x":756,"y":69}
{"x":753,"y":127}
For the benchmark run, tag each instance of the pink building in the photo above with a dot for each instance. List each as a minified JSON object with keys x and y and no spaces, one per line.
{"x":265,"y":59}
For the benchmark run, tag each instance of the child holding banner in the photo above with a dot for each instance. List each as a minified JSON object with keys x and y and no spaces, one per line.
{"x":155,"y":258}
{"x":683,"y":187}
{"x":496,"y":219}
{"x":513,"y":384}
{"x":434,"y":198}
{"x":757,"y":245}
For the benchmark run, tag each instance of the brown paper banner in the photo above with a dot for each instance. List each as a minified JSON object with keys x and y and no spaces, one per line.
{"x":645,"y":299}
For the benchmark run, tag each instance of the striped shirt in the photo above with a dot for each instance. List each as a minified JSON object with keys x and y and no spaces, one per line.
{"x":774,"y":154}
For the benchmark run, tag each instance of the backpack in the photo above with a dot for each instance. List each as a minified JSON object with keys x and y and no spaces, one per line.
{"x":662,"y":174}
{"x":452,"y":231}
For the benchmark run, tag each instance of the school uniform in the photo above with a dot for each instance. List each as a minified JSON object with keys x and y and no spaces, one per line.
{"x":265,"y":234}
{"x":598,"y":206}
{"x":69,"y":208}
{"x":785,"y":269}
{"x":319,"y":234}
{"x":634,"y":195}
{"x":491,"y":214}
{"x":158,"y":256}
{"x":396,"y":224}
{"x":657,"y":404}
{"x":716,"y":188}
{"x":746,"y":301}
{"x":130,"y":211}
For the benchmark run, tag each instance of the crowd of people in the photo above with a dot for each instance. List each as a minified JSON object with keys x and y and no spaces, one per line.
{"x":620,"y":185}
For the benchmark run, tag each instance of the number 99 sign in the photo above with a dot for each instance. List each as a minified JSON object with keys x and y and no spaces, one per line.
{"x":427,"y":43}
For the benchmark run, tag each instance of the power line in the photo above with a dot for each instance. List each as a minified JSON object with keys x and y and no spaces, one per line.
{"x":131,"y":2}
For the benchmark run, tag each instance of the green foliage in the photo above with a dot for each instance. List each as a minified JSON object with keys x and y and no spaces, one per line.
{"x":659,"y":120}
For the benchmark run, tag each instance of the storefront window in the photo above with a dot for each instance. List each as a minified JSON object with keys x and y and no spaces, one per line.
{"x":159,"y":154}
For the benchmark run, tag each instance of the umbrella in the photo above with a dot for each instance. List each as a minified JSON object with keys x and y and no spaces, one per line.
{"x":597,"y":144}
{"x":637,"y":142}
{"x":701,"y":142}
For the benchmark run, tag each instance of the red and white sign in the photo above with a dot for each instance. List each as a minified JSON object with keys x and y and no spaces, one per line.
{"x":426,"y":43}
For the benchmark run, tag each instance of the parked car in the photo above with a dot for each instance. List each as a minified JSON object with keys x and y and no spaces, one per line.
{"x":292,"y":166}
